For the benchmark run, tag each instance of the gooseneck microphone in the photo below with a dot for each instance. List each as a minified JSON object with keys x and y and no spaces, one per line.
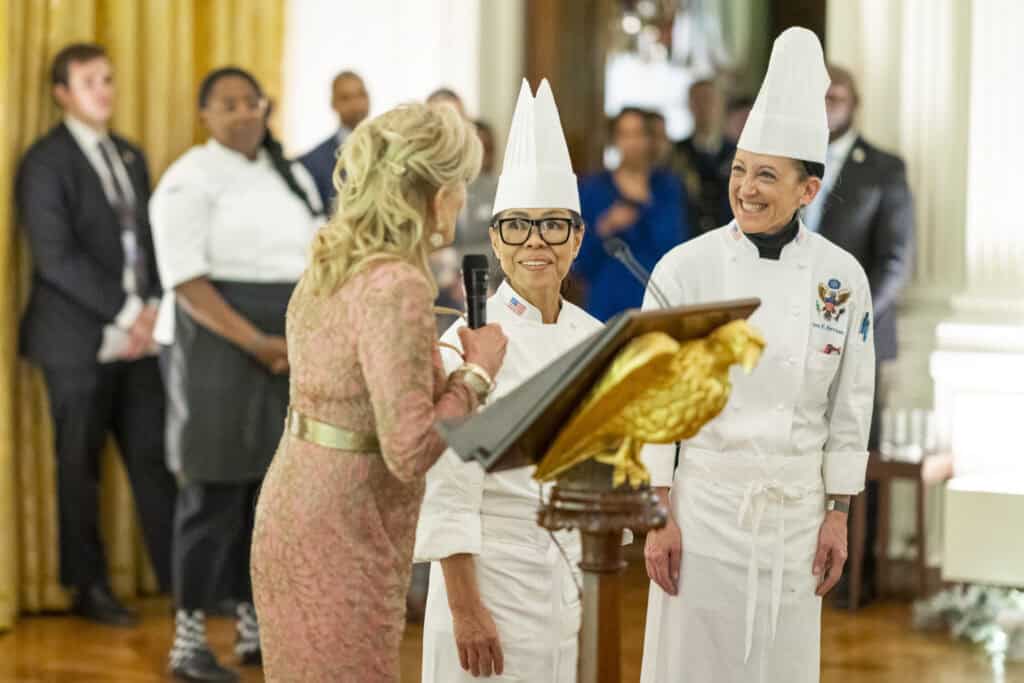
{"x":620,"y":251}
{"x":475,"y":271}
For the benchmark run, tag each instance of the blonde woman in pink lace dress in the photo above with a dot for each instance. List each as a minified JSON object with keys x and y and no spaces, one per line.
{"x":333,"y":540}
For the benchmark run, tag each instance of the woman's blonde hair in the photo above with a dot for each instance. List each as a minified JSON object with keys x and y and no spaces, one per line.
{"x":389,"y":171}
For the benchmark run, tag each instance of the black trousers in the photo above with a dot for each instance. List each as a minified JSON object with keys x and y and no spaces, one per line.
{"x":212,"y":535}
{"x":869,"y":497}
{"x":126,"y":399}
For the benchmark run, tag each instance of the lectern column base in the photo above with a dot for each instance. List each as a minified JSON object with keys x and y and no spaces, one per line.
{"x":584,"y":499}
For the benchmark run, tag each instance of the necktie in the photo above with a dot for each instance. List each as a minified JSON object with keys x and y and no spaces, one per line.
{"x":124,"y":206}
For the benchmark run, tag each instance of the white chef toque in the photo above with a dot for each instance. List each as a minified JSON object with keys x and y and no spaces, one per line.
{"x":788,"y":119}
{"x":537,"y":173}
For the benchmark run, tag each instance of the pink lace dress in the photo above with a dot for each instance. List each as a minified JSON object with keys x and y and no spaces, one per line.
{"x":333,"y":540}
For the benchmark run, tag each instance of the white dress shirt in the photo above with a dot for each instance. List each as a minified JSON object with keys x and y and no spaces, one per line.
{"x":115,"y":338}
{"x":217,"y":214}
{"x":835,"y":159}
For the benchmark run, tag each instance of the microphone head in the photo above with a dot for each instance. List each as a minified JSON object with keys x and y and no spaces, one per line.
{"x":474,"y":263}
{"x":613,"y":246}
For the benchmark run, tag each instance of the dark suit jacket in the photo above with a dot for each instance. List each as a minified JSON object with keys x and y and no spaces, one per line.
{"x":320,"y":162}
{"x":75,"y":238}
{"x":706,"y":177}
{"x":870,"y":213}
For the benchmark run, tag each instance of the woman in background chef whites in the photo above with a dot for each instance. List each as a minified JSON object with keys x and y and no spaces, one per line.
{"x":502,"y":600}
{"x":232,"y":222}
{"x":757,"y":530}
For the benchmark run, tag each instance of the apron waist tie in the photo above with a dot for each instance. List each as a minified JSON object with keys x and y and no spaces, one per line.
{"x":755,"y":499}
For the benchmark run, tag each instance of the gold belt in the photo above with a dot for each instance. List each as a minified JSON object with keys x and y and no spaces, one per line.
{"x":327,"y":435}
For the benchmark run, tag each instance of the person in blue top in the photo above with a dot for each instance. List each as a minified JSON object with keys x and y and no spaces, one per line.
{"x":637,"y":203}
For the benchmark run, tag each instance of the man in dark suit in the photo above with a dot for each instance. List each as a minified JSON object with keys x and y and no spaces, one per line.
{"x":865,"y":207}
{"x":352,"y":104}
{"x":703,"y":161}
{"x":82,"y":196}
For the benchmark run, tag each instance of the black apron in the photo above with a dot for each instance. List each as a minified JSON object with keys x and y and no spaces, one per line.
{"x":225,"y":410}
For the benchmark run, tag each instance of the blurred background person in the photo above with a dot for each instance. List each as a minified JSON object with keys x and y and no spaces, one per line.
{"x":232,"y":221}
{"x":82,"y":194}
{"x":736,"y":113}
{"x":446,"y":264}
{"x":643,"y":206}
{"x":865,"y":207}
{"x":335,"y":523}
{"x":660,"y":141}
{"x":472,"y":233}
{"x":449,"y":97}
{"x":702,"y":161}
{"x":351,"y":102}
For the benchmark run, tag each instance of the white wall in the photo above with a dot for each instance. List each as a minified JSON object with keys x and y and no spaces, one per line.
{"x":403,"y":49}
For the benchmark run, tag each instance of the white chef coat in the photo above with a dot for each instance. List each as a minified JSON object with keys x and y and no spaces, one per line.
{"x":524,"y":582}
{"x":218,"y":214}
{"x":749,"y":490}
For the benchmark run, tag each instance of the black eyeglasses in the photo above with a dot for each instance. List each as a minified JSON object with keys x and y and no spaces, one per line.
{"x":554,"y":231}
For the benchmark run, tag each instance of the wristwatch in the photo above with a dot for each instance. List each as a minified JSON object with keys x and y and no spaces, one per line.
{"x":837,"y":505}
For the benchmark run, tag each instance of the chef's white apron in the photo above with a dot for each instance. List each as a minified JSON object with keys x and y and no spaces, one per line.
{"x":745,"y":611}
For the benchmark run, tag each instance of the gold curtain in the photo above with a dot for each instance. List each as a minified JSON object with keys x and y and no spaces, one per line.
{"x":160,"y":49}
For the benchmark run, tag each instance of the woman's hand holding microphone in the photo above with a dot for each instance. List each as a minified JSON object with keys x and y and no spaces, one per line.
{"x":484,"y":350}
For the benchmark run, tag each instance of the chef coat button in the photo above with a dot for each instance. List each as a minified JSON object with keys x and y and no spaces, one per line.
{"x":780,"y":407}
{"x":792,"y":360}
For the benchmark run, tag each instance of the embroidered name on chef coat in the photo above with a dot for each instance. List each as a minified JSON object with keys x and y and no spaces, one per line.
{"x":830,"y":303}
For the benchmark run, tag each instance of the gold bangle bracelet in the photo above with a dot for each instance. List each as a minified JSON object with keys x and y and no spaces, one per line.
{"x":478,"y":371}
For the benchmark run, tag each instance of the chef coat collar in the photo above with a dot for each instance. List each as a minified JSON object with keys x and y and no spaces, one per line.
{"x":741,"y":247}
{"x":770,"y":246}
{"x":226,"y":152}
{"x":522,"y":309}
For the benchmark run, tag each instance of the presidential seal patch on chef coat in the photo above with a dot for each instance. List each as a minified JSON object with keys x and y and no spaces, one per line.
{"x":832,"y":298}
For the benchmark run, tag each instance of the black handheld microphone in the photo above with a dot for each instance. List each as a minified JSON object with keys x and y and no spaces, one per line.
{"x":475,"y":271}
{"x":620,"y":251}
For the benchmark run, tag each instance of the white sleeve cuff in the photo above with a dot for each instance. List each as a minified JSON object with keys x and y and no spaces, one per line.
{"x":660,"y":460}
{"x":129,"y":312}
{"x":441,"y":534}
{"x":845,"y":472}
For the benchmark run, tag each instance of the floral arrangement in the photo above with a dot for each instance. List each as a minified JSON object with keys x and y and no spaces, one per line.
{"x":986,"y":615}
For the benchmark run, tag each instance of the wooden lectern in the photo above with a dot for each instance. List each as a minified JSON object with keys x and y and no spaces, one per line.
{"x":600,"y":486}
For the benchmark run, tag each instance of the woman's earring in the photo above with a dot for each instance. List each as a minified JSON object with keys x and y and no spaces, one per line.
{"x":437,"y":240}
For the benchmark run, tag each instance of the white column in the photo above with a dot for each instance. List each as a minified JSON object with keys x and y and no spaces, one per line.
{"x":403,"y":49}
{"x":502,"y":64}
{"x":911,"y":61}
{"x":979,"y":367}
{"x":995,"y":226}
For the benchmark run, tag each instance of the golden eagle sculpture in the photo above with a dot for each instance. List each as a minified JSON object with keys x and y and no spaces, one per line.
{"x":657,"y":390}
